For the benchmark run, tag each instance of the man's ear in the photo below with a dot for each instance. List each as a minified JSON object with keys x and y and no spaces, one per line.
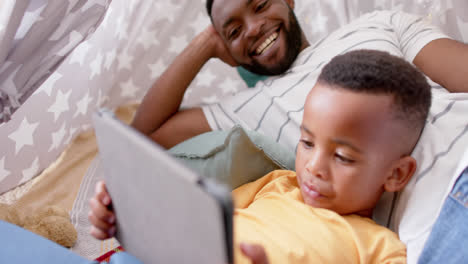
{"x":290,"y":3}
{"x":401,"y":173}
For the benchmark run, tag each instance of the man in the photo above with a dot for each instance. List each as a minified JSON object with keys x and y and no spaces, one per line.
{"x":168,"y":126}
{"x":240,"y":31}
{"x":264,"y":37}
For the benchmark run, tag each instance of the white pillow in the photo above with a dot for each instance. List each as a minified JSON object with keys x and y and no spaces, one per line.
{"x":441,"y":153}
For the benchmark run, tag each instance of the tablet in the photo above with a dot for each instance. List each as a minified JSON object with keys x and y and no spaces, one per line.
{"x":165,"y":212}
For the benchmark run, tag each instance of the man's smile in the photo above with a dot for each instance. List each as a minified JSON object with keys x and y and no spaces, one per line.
{"x":264,"y":37}
{"x":264,"y":43}
{"x":267,"y":43}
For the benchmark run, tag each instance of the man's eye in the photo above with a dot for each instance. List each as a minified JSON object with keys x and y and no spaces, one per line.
{"x":261,"y":6}
{"x":343,"y":159}
{"x":233,"y":33}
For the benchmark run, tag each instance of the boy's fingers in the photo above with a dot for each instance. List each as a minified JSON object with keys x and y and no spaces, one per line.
{"x":100,"y":187}
{"x":99,"y":234}
{"x":102,"y":194}
{"x":100,"y":224}
{"x":255,"y":253}
{"x":101,"y":212}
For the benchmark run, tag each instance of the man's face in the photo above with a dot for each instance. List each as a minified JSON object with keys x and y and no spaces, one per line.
{"x":347,"y":149}
{"x":263,"y":36}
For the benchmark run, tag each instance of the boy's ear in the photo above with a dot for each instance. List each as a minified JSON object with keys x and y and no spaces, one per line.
{"x":400,"y":174}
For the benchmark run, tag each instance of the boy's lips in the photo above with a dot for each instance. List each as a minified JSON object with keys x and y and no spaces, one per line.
{"x":312,"y":191}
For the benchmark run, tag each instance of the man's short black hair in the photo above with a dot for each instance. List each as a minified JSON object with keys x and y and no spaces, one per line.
{"x":209,"y":5}
{"x":378,"y":72}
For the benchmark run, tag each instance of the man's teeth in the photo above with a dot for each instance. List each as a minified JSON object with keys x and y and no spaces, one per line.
{"x":267,"y":43}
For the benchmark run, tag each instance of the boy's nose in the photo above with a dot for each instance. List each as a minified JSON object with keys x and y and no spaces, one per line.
{"x":317,"y":166}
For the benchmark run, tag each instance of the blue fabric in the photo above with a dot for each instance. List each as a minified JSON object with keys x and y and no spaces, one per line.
{"x":20,"y":246}
{"x":448,"y":241}
{"x":250,"y":78}
{"x":124,"y":258}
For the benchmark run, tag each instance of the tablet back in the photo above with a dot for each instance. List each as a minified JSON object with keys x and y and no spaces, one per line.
{"x":164,"y":213}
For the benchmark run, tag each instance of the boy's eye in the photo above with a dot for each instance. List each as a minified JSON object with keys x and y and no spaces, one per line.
{"x":307,"y":144}
{"x":343,"y":159}
{"x":261,"y":6}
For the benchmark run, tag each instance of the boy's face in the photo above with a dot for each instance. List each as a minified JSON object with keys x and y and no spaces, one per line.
{"x":262,"y":35}
{"x":348,"y":149}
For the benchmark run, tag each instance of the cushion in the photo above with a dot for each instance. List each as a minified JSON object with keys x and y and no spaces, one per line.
{"x":250,"y":78}
{"x":233,"y":157}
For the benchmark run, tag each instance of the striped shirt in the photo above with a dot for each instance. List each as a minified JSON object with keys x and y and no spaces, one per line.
{"x":274,"y":107}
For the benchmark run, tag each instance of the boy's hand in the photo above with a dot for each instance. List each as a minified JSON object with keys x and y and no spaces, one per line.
{"x":219,"y":48}
{"x":101,"y":216}
{"x":255,"y":253}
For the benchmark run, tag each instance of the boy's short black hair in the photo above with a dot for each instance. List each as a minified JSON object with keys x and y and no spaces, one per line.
{"x":378,"y":72}
{"x":209,"y":5}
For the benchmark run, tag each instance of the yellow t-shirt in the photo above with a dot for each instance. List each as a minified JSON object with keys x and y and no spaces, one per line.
{"x":271,"y":212}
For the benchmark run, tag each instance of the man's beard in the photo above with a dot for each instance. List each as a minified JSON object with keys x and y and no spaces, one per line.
{"x":293,"y":47}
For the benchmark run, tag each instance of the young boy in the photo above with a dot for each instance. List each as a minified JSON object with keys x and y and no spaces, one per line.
{"x":361,"y":122}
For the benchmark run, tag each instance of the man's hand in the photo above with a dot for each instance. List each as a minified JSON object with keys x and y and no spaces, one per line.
{"x":255,"y":253}
{"x":219,"y":48}
{"x":101,"y":217}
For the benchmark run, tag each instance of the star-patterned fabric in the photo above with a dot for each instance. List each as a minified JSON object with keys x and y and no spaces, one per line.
{"x":60,"y":60}
{"x":35,"y":37}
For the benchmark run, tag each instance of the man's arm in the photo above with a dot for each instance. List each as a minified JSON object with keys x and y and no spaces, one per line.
{"x":158,"y":115}
{"x":445,"y":61}
{"x":180,"y":126}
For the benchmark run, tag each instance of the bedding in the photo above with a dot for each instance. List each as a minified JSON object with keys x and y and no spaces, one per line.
{"x":130,"y":44}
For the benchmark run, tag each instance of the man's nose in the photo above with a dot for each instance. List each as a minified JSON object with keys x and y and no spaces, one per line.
{"x":317,"y":165}
{"x":254,"y":27}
